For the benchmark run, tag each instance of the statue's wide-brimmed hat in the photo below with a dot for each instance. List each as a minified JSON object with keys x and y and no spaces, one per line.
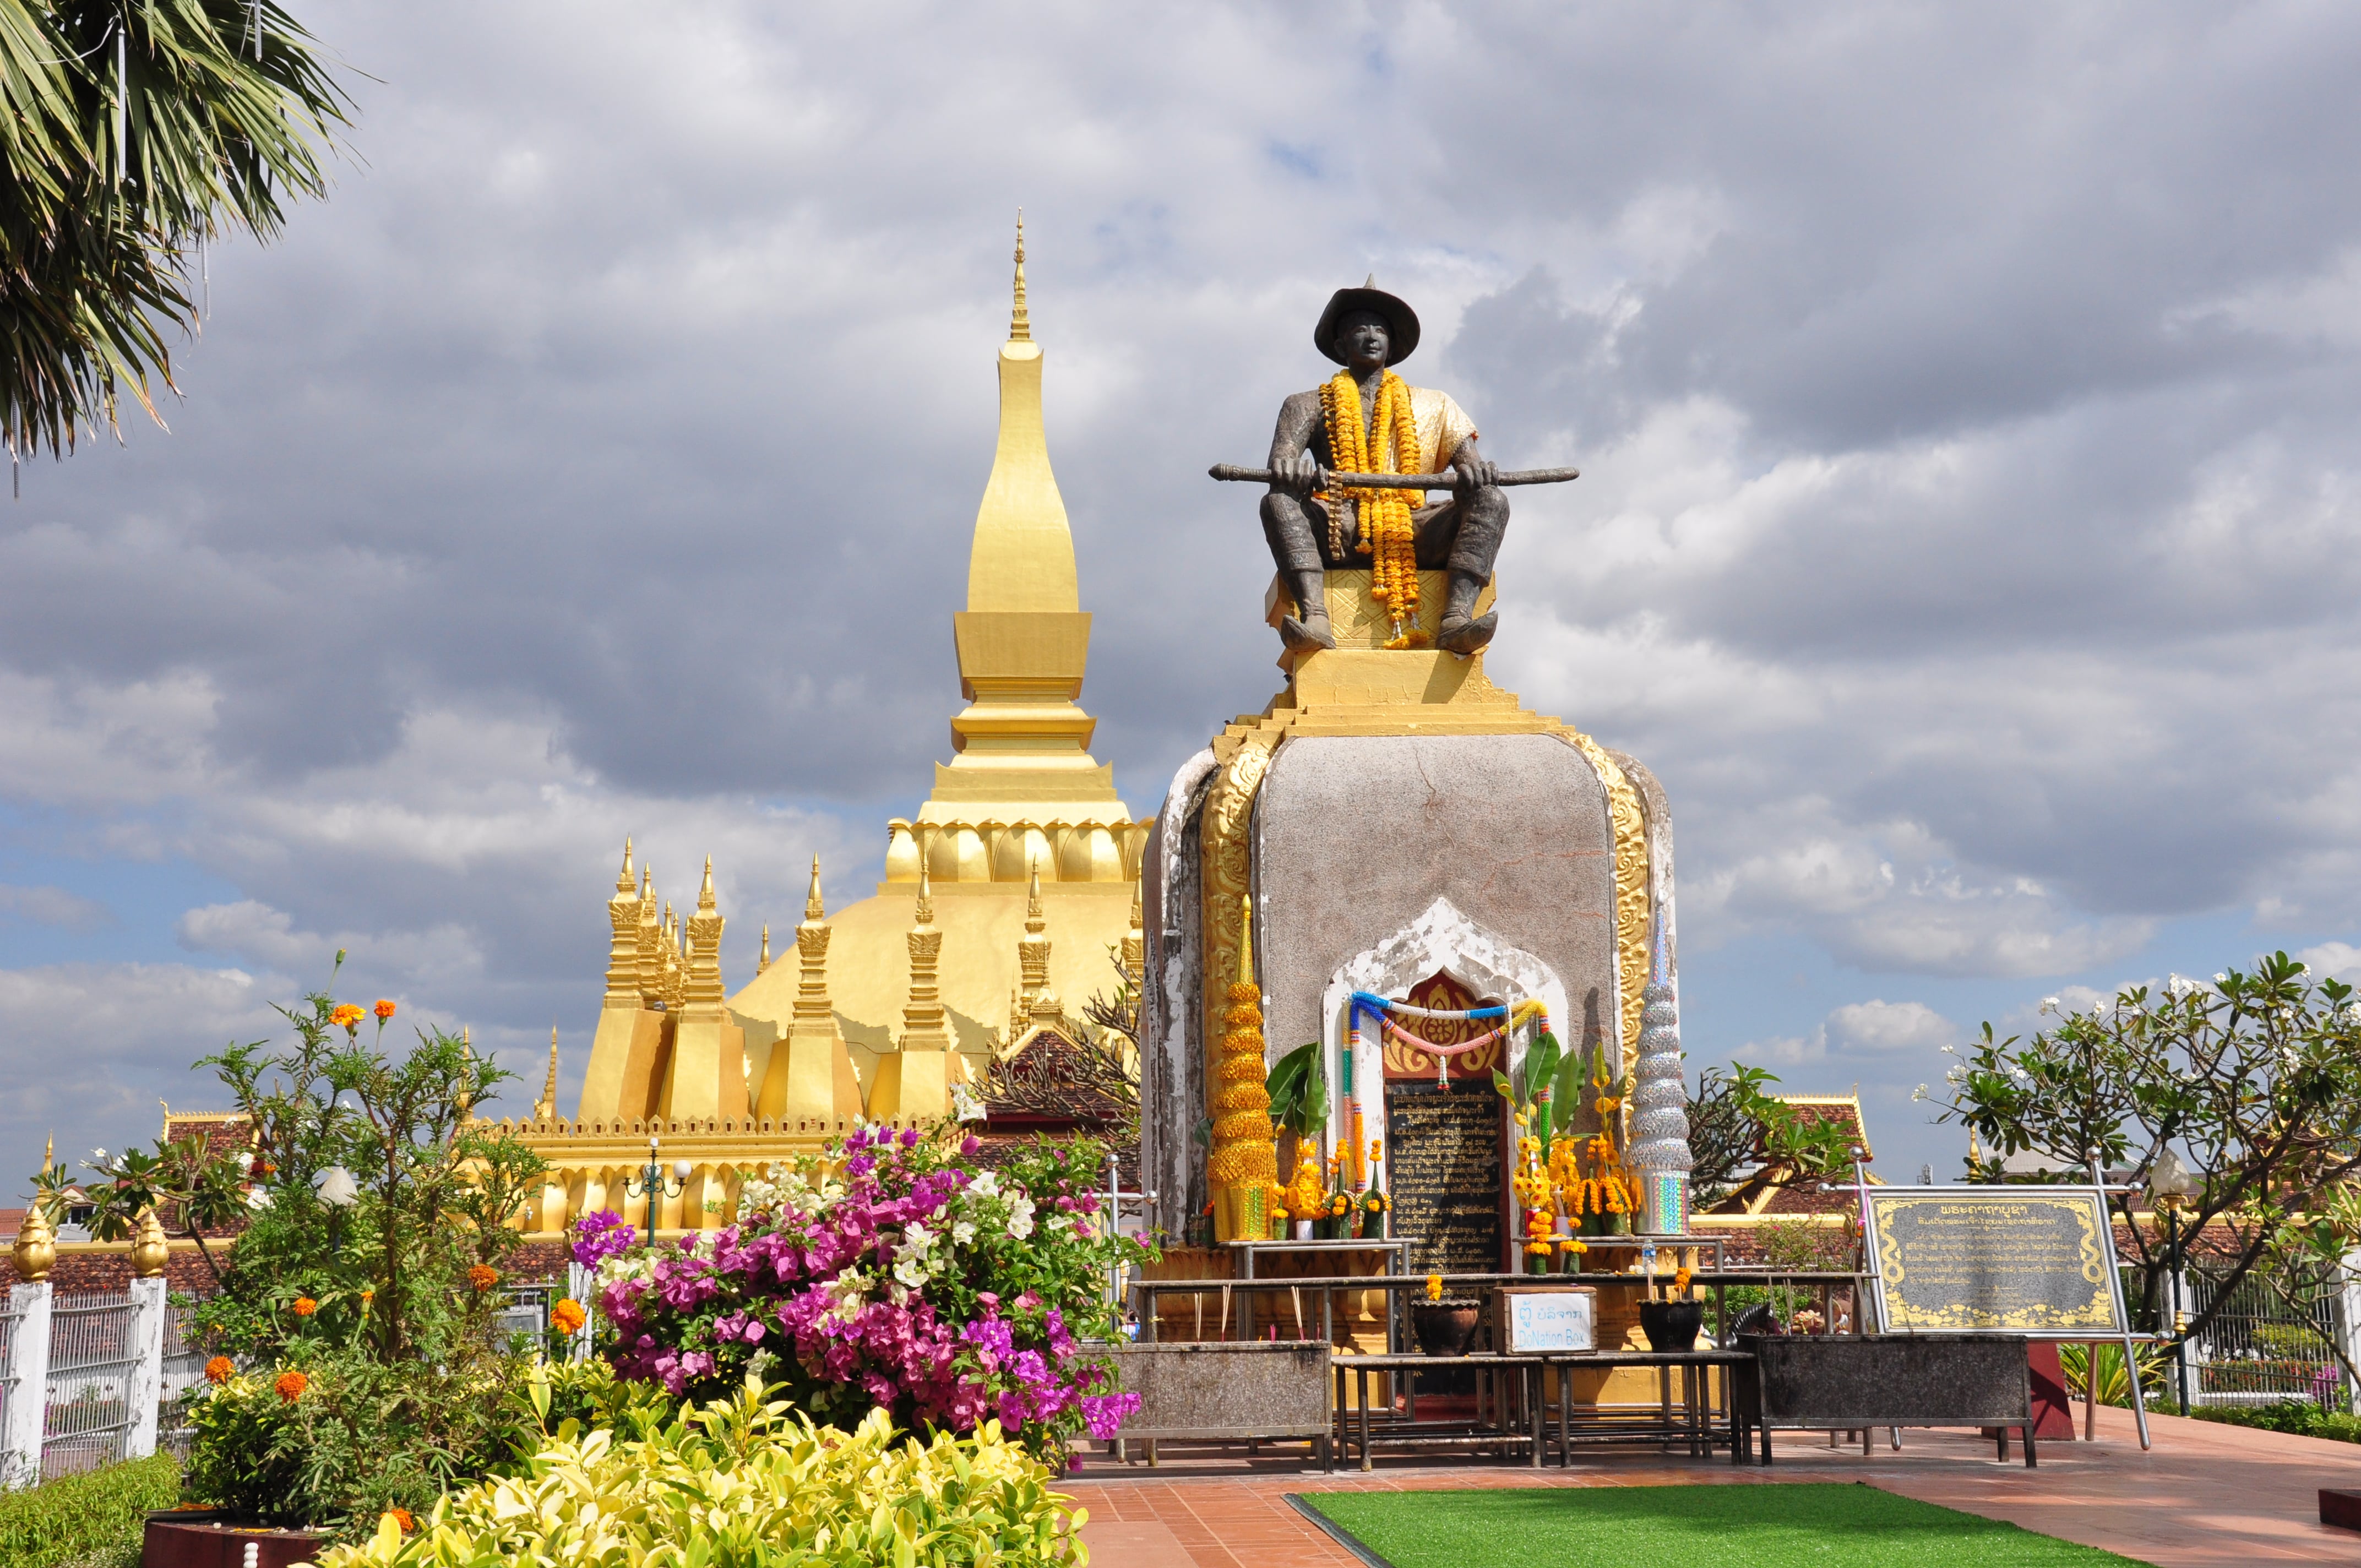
{"x":1400,"y":321}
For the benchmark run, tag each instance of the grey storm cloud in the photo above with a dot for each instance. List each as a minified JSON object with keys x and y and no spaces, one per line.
{"x":1965,"y":396}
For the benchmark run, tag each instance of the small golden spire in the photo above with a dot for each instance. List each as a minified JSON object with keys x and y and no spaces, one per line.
{"x":763,"y":958}
{"x":547,"y":1107}
{"x":1033,"y":917}
{"x":648,"y":885}
{"x":926,"y":910}
{"x":49,"y":1155}
{"x":705,"y":894}
{"x":1020,"y":323}
{"x":623,"y":882}
{"x":1246,"y":940}
{"x":813,"y":908}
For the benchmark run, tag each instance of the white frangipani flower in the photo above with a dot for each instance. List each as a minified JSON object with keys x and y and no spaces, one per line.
{"x":2049,"y":1005}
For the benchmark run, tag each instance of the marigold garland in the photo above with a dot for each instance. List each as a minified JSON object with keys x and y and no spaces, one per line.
{"x":1386,"y":535}
{"x":1245,"y":1156}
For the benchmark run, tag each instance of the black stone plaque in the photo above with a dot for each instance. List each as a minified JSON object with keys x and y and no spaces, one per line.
{"x":1444,"y":1168}
{"x":1995,"y":1260}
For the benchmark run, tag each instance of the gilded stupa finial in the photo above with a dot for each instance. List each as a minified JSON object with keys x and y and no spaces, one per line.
{"x":623,"y":882}
{"x":763,"y":958}
{"x":704,"y":905}
{"x":1034,"y":920}
{"x":1020,"y":324}
{"x":813,"y":908}
{"x":1245,"y":939}
{"x":547,"y":1107}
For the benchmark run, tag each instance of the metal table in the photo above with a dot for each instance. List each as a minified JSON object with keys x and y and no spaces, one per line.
{"x":1695,"y":1424}
{"x":1399,"y":1246}
{"x":1510,"y":1384}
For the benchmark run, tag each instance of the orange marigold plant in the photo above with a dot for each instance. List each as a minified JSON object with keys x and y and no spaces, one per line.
{"x":291,"y":1386}
{"x":483,"y":1276}
{"x":347,"y":1017}
{"x":220,"y":1369}
{"x":401,"y":1517}
{"x":384,"y":1010}
{"x":305,"y":1306}
{"x":568,"y":1316}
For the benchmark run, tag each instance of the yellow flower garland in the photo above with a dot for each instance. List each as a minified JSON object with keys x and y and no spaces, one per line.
{"x":1387,"y":536}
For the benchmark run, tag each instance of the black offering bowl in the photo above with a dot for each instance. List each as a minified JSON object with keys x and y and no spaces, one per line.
{"x":1671,"y":1325}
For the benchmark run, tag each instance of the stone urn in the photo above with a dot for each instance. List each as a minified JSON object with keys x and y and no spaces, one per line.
{"x":1671,"y":1325}
{"x":1445,"y":1328}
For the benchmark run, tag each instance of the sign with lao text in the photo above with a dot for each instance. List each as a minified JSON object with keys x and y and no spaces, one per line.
{"x":1443,"y":1169}
{"x":2019,"y":1260}
{"x":1540,"y":1321}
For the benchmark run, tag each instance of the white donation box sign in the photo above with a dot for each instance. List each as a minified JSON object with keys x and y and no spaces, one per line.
{"x":1540,"y":1320}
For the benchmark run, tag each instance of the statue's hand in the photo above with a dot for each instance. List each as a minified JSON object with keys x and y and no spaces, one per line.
{"x":1473,"y":472}
{"x":1298,"y":475}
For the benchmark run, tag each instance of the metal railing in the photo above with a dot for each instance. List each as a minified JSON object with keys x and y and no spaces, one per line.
{"x":2259,"y":1350}
{"x":184,"y":1368}
{"x":88,"y":1385}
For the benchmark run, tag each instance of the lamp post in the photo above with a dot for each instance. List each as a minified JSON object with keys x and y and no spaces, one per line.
{"x":2168,"y":1186}
{"x":650,"y":1184}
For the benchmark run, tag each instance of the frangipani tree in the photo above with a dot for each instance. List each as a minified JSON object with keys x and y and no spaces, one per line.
{"x":2255,"y":1079}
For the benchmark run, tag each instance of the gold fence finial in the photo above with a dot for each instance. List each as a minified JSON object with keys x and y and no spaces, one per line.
{"x":1020,"y":324}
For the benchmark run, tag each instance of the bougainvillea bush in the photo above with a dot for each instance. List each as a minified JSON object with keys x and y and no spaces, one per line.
{"x":892,"y":1273}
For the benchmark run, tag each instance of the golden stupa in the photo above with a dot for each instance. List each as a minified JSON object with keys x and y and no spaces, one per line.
{"x":1009,"y":899}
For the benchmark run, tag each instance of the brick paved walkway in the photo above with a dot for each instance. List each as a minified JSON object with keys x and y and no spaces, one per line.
{"x":2205,"y":1496}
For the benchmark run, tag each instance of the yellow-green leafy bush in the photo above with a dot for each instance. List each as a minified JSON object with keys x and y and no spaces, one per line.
{"x":742,"y":1484}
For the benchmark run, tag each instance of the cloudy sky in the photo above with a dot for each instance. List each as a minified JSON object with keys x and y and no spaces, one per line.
{"x":1966,"y":397}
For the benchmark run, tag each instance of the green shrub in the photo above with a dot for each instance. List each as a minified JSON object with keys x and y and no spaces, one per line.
{"x":742,"y":1481}
{"x":96,"y":1517}
{"x":357,"y":1436}
{"x":2115,"y":1388}
{"x":2300,"y":1416}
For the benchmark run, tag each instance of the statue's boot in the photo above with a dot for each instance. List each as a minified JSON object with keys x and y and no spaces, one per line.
{"x":1461,"y":632}
{"x":1311,"y":597}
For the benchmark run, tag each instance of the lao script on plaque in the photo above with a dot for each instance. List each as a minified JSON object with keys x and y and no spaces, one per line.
{"x":1443,"y":1153}
{"x":2000,"y":1259}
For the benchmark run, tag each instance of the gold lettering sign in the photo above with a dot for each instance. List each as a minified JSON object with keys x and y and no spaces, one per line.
{"x":2008,"y":1260}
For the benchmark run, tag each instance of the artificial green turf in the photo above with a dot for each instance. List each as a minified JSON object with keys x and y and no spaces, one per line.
{"x":1833,"y":1525}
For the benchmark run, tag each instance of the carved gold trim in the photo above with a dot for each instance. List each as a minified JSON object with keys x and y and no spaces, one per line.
{"x":1228,"y":810}
{"x":1630,"y":829}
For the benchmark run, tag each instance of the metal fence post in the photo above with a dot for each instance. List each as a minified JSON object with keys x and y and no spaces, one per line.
{"x":143,"y":1380}
{"x":2348,"y":1323}
{"x":29,"y":1385}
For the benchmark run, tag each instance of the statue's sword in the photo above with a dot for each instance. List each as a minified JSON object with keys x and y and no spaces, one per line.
{"x":1444,"y":481}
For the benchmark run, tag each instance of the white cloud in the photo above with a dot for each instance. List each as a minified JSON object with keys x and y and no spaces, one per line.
{"x":1875,"y":1039}
{"x":2333,"y":961}
{"x":52,"y":906}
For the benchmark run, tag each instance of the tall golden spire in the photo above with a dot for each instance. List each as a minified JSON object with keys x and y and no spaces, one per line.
{"x":813,"y":909}
{"x":923,"y":1026}
{"x":1020,"y":324}
{"x":1024,"y":642}
{"x":623,"y":882}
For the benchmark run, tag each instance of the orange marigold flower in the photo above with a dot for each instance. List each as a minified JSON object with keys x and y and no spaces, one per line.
{"x":367,"y":1297}
{"x":384,"y":1010}
{"x":402,"y":1518}
{"x":568,"y":1316}
{"x":347,"y":1017}
{"x":291,"y":1386}
{"x":220,"y":1369}
{"x":483,"y":1277}
{"x":305,"y":1306}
